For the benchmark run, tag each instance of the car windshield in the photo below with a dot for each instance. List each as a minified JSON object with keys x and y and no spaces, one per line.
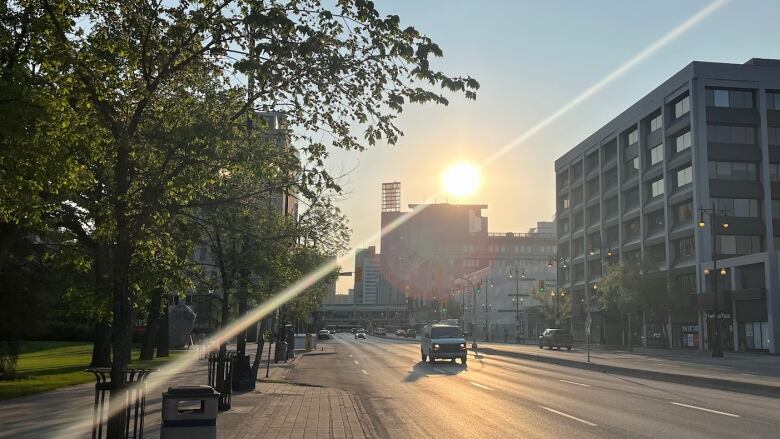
{"x":445,"y":332}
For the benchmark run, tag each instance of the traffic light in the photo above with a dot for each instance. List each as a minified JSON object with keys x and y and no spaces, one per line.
{"x":479,"y":288}
{"x":541,"y":285}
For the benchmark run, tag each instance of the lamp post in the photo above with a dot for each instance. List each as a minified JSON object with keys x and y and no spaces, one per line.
{"x":463,"y":298}
{"x":714,"y":214}
{"x":558,"y":263}
{"x":488,"y":284}
{"x":516,"y":301}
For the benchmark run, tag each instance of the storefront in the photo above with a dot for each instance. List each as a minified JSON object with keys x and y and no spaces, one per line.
{"x":754,"y":334}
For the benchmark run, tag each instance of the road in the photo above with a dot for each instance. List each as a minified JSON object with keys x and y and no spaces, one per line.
{"x":500,"y":397}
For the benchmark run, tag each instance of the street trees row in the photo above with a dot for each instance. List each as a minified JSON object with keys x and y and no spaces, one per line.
{"x":130,"y":133}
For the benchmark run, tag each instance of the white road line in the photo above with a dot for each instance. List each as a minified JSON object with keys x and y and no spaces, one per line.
{"x":705,"y":410}
{"x":438,"y":370}
{"x":350,"y":355}
{"x":480,"y":385}
{"x":576,"y":384}
{"x":356,"y":362}
{"x":364,"y":371}
{"x":568,"y":416}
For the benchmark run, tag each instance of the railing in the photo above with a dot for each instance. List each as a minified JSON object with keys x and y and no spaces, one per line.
{"x":224,"y":383}
{"x":134,"y":390}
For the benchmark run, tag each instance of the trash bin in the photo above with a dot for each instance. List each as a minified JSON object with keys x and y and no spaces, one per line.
{"x":280,"y":353}
{"x":189,"y":412}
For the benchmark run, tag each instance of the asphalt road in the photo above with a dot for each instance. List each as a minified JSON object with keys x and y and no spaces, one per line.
{"x":500,"y":397}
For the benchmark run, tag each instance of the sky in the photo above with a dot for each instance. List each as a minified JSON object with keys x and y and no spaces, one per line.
{"x":531,"y":58}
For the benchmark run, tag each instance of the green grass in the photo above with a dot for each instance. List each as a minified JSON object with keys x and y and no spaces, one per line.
{"x":49,"y":365}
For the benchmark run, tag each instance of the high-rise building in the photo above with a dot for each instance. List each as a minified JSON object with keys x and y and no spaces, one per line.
{"x":366,"y":275}
{"x":707,"y":137}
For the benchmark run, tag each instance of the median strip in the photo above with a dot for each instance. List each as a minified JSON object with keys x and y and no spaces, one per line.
{"x":568,"y":416}
{"x":705,"y":410}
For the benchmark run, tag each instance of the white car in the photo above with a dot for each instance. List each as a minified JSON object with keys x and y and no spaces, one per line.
{"x":360,"y":335}
{"x":442,"y":341}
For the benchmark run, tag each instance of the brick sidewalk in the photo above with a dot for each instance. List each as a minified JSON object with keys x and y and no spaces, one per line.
{"x":280,"y":410}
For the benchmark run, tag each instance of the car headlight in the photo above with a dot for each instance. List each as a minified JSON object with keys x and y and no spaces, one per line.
{"x":463,"y":345}
{"x":436,"y":346}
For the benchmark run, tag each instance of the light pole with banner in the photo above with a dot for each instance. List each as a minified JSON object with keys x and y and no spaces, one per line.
{"x":517,"y":299}
{"x":714,"y":214}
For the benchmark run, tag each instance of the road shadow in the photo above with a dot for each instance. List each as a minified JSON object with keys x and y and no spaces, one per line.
{"x":422,"y":370}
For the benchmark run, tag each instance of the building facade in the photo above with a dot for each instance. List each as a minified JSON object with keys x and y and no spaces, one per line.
{"x":634,"y":190}
{"x":366,"y":275}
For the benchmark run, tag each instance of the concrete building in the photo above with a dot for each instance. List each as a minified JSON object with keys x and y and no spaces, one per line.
{"x":709,"y":135}
{"x":366,"y":276}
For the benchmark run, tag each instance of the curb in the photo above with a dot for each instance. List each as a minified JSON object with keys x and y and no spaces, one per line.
{"x":691,"y":380}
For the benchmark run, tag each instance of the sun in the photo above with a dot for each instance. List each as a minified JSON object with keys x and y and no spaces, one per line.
{"x":461,"y":179}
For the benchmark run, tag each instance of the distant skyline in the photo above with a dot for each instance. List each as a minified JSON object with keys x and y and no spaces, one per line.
{"x":531,"y":58}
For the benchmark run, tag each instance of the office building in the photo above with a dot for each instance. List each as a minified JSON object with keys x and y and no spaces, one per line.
{"x":707,"y":137}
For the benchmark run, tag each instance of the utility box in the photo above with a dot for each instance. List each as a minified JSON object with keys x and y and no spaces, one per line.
{"x":189,"y":412}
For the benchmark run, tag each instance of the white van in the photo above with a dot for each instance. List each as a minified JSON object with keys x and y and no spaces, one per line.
{"x":442,"y":341}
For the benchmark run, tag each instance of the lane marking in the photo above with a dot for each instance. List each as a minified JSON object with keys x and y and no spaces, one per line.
{"x":575,"y":383}
{"x":705,"y":410}
{"x":356,"y":362}
{"x":350,"y":355}
{"x":364,"y":371}
{"x":480,"y":385}
{"x":439,"y":370}
{"x":568,"y":416}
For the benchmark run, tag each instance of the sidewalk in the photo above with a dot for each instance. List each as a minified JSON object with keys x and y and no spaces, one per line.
{"x":276,"y":410}
{"x":740,"y":372}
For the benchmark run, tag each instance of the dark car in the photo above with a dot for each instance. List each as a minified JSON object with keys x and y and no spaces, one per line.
{"x":555,"y":338}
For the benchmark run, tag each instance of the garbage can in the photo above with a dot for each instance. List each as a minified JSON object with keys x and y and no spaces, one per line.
{"x":189,"y":412}
{"x":308,"y":342}
{"x":280,"y":353}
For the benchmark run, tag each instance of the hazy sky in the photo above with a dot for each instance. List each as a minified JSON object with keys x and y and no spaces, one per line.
{"x":531,"y":58}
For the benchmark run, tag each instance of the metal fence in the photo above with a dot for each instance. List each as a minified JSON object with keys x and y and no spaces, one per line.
{"x":222,"y":384}
{"x":134,"y":390}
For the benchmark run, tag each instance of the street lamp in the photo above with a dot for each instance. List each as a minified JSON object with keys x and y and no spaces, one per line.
{"x":517,"y":276}
{"x":714,"y":214}
{"x":463,"y":298}
{"x":559,"y":262}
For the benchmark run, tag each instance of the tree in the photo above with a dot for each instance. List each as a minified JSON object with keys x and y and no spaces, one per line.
{"x":552,"y":310}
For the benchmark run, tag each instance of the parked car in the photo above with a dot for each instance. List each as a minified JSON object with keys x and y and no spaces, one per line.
{"x":400,"y":333}
{"x":323,"y":334}
{"x":360,"y":334}
{"x":410,"y":333}
{"x":556,"y":338}
{"x":379,"y":331}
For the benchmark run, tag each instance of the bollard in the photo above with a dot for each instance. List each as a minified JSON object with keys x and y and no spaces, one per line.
{"x":189,"y":412}
{"x":308,"y":343}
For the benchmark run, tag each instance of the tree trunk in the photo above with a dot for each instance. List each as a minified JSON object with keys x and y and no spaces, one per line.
{"x":242,"y":307}
{"x":630,"y":334}
{"x":101,"y":347}
{"x":163,"y":330}
{"x":152,"y":323}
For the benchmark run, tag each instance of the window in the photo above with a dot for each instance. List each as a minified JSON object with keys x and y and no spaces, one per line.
{"x":683,"y":142}
{"x":739,"y":207}
{"x":633,"y":137}
{"x":578,"y":221}
{"x":563,"y":178}
{"x":631,"y":168}
{"x":657,"y":154}
{"x":593,"y":215}
{"x":592,"y":188}
{"x":685,"y":247}
{"x":731,"y":134}
{"x":631,"y":199}
{"x":576,"y":171}
{"x":609,"y":151}
{"x":686,"y":282}
{"x":655,"y":123}
{"x":610,"y":179}
{"x":774,"y":172}
{"x":773,"y":135}
{"x":632,"y":229}
{"x":775,"y":208}
{"x":682,"y":106}
{"x":730,"y":98}
{"x":773,"y":101}
{"x":655,"y":221}
{"x":592,"y":161}
{"x":611,"y":207}
{"x":684,"y":213}
{"x":684,"y":176}
{"x":737,"y":244}
{"x":576,"y":197}
{"x":657,"y":188}
{"x":733,"y":170}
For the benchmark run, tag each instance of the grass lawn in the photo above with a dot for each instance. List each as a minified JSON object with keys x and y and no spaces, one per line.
{"x":49,"y":365}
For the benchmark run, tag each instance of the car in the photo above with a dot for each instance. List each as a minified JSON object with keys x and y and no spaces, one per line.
{"x":400,"y":333}
{"x":556,"y":338}
{"x":323,"y":334}
{"x":380,"y":331}
{"x":354,"y":330}
{"x":443,"y":341}
{"x":360,"y":335}
{"x":410,"y":333}
{"x":332,"y":331}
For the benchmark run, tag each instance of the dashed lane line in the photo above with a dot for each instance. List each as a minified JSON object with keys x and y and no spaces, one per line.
{"x":364,"y":371}
{"x":568,"y":416}
{"x":575,"y":383}
{"x":705,"y":410}
{"x":480,"y":385}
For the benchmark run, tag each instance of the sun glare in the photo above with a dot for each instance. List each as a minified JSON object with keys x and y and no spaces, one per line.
{"x":461,"y":179}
